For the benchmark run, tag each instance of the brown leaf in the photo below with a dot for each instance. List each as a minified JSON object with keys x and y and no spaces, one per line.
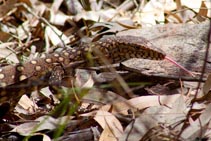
{"x":196,"y":129}
{"x":143,"y":102}
{"x":112,"y":128}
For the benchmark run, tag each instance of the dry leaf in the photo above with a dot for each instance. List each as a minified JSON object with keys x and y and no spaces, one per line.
{"x":56,"y":36}
{"x":138,"y":128}
{"x":199,"y":126}
{"x":112,"y":128}
{"x":207,"y":85}
{"x":7,"y":52}
{"x":26,"y":105}
{"x":192,"y":5}
{"x":143,"y":102}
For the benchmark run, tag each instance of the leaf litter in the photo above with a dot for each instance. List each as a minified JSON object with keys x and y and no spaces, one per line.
{"x":107,"y":110}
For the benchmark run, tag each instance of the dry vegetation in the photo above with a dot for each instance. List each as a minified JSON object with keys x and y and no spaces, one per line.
{"x":108,"y":105}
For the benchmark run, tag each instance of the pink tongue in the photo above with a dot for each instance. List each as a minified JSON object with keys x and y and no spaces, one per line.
{"x":175,"y":63}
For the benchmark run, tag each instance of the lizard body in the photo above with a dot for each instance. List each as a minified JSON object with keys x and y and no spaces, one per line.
{"x":14,"y":79}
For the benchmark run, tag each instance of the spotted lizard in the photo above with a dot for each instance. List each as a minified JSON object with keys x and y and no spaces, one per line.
{"x":114,"y":49}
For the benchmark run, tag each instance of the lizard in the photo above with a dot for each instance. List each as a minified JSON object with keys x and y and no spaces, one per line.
{"x":114,"y":49}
